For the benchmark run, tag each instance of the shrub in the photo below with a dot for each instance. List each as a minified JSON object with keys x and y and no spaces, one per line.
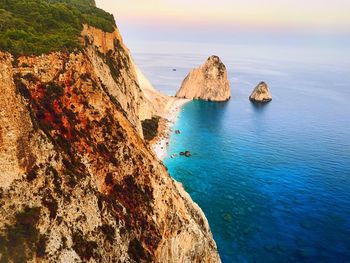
{"x":84,"y":248}
{"x":23,"y":238}
{"x":33,"y":27}
{"x":150,"y":128}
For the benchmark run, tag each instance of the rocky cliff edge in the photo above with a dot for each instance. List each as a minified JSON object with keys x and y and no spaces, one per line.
{"x":77,"y":181}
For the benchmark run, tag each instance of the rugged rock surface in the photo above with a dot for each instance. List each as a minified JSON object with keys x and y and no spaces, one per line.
{"x":261,"y":93}
{"x":77,"y":181}
{"x":208,"y":82}
{"x":159,"y":102}
{"x":113,"y":65}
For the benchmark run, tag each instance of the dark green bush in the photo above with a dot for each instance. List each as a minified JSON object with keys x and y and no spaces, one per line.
{"x":40,"y":26}
{"x":85,"y":249}
{"x":150,"y":128}
{"x":23,"y":238}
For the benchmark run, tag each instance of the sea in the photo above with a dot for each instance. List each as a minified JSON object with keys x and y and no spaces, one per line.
{"x":274,"y":179}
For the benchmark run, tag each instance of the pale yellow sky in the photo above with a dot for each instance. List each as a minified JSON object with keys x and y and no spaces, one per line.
{"x":328,"y":14}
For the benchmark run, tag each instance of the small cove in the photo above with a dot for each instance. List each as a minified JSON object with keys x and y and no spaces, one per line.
{"x":273,"y":180}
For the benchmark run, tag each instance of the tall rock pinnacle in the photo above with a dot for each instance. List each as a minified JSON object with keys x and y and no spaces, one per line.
{"x":208,"y":82}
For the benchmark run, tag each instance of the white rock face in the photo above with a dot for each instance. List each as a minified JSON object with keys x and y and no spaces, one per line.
{"x":208,"y":82}
{"x":261,"y":93}
{"x":67,"y":122}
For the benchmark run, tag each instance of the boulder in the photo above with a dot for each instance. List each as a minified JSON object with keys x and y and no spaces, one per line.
{"x":186,"y":153}
{"x":261,"y":93}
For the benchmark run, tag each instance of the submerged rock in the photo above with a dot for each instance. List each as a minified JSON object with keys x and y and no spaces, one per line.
{"x":187,"y":153}
{"x":261,"y":93}
{"x":227,"y":217}
{"x":208,"y":82}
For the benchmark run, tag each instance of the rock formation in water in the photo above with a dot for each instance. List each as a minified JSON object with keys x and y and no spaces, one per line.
{"x":261,"y":93}
{"x":77,"y":181}
{"x":208,"y":82}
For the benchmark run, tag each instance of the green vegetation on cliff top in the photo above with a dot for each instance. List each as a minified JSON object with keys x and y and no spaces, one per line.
{"x":34,"y":27}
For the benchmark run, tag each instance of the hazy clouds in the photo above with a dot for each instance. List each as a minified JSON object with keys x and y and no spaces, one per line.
{"x":329,"y":14}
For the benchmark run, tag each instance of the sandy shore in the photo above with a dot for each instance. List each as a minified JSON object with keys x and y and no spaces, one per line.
{"x":160,"y":146}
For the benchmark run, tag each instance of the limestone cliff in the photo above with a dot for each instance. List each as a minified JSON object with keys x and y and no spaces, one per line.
{"x":158,"y":100}
{"x":161,"y":104}
{"x":208,"y":82}
{"x":261,"y":93}
{"x":113,"y":65}
{"x":77,"y":181}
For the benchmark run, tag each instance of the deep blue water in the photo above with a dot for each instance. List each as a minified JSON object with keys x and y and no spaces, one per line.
{"x":273,"y":180}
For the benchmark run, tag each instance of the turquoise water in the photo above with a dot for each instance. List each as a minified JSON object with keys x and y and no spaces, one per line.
{"x":273,"y":180}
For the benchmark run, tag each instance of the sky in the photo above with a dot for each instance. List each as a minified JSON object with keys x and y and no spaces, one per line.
{"x":203,"y":19}
{"x":267,"y":13}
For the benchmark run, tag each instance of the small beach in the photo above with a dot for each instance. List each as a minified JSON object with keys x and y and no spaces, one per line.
{"x":160,"y":144}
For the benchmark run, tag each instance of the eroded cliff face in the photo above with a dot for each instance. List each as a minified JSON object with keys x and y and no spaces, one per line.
{"x":160,"y":102}
{"x":77,"y":181}
{"x":208,"y":82}
{"x":113,"y":65}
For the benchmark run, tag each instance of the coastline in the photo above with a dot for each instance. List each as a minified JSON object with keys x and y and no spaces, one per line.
{"x":161,"y":142}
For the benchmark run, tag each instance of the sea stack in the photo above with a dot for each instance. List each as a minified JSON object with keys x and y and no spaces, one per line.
{"x":208,"y":82}
{"x":261,"y":93}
